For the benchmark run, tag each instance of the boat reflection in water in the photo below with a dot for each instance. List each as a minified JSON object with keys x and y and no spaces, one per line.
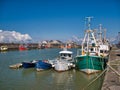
{"x":69,"y":80}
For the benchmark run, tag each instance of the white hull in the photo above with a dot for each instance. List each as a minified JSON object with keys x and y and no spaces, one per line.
{"x":64,"y":62}
{"x":90,"y":71}
{"x":16,"y":66}
{"x":3,"y":48}
{"x":61,"y":66}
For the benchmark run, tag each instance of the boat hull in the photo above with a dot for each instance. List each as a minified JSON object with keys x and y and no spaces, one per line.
{"x":90,"y":64}
{"x":3,"y":48}
{"x":22,"y":48}
{"x":61,"y":66}
{"x":41,"y":65}
{"x":16,"y":66}
{"x":28,"y":64}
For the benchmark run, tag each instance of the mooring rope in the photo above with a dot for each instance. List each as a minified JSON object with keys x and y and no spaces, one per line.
{"x":113,"y":69}
{"x":95,"y":79}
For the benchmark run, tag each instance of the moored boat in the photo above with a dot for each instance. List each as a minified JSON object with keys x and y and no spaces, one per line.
{"x":65,"y":61}
{"x":62,"y":65}
{"x":104,"y":45}
{"x":29,"y":64}
{"x":43,"y":65}
{"x":90,"y":60}
{"x":16,"y":66}
{"x":104,"y":50}
{"x":22,"y":47}
{"x":3,"y":48}
{"x":90,"y":64}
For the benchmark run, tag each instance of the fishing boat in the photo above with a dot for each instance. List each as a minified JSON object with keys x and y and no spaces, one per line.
{"x":104,"y":50}
{"x":3,"y":48}
{"x":65,"y":61}
{"x":43,"y":65}
{"x":22,"y":47}
{"x":104,"y":46}
{"x":90,"y":60}
{"x":29,"y":64}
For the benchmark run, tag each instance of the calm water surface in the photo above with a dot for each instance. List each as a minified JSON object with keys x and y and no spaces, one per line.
{"x":30,"y":79}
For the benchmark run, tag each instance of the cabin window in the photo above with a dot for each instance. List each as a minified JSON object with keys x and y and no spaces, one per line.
{"x":63,"y":54}
{"x":101,"y":51}
{"x":91,"y":49}
{"x":106,"y":51}
{"x":69,"y":55}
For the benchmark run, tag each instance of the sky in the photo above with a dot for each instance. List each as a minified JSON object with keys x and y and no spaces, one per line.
{"x":58,"y":19}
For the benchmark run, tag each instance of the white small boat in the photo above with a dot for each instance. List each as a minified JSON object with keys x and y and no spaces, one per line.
{"x":15,"y":66}
{"x":64,"y":62}
{"x":3,"y":48}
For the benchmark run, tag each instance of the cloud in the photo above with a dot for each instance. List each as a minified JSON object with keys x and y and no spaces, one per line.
{"x":13,"y":36}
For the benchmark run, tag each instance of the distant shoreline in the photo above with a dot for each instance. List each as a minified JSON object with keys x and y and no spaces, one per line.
{"x":15,"y":46}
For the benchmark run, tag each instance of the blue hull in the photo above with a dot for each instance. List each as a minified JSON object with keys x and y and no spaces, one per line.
{"x":43,"y":65}
{"x":28,"y":64}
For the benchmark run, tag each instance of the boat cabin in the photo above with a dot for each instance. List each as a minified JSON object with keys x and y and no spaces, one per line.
{"x":65,"y":55}
{"x":104,"y":50}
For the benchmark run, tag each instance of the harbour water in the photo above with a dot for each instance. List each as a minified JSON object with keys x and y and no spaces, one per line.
{"x":30,"y":79}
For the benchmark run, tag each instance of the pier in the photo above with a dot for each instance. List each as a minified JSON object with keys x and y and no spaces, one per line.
{"x":112,"y":76}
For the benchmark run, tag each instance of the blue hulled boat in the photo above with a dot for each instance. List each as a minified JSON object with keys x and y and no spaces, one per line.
{"x":29,"y":64}
{"x":43,"y":65}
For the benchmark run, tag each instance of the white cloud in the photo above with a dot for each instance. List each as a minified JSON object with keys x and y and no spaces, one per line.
{"x":13,"y":36}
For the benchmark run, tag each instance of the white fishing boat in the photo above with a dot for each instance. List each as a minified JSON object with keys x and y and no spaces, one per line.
{"x":104,"y":50}
{"x":64,"y":62}
{"x":104,"y":46}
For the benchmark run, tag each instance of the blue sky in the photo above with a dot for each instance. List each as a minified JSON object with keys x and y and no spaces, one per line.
{"x":58,"y":19}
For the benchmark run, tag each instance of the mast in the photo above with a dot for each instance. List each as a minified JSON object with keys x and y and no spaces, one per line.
{"x":100,"y":33}
{"x":87,"y":33}
{"x":89,"y":38}
{"x":89,"y":22}
{"x":104,"y":35}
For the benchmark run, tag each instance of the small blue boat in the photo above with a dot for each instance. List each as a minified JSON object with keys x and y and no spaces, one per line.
{"x":43,"y":65}
{"x":29,"y":64}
